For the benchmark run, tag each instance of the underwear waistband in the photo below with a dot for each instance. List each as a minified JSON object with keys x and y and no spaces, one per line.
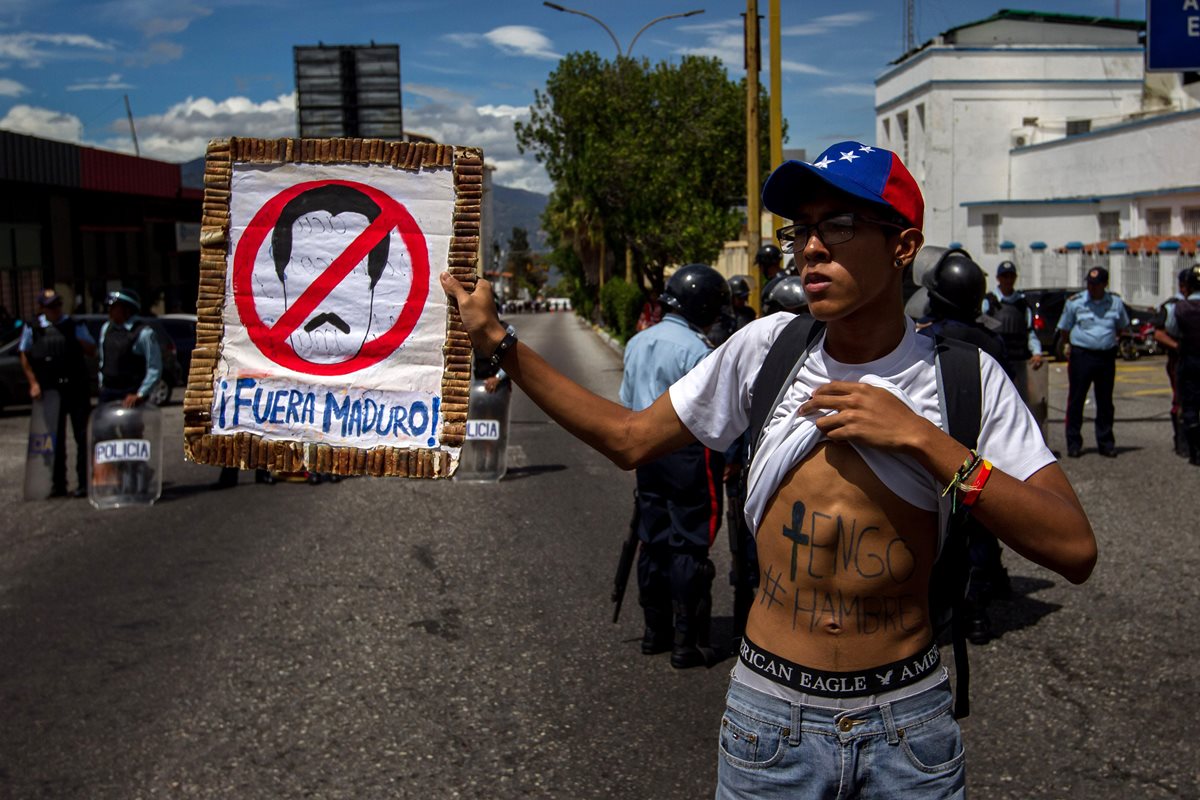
{"x":822,"y":683}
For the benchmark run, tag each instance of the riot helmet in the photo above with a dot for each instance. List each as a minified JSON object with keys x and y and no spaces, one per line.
{"x":1193,"y":279}
{"x":949,"y":285}
{"x":769,"y":256}
{"x":697,"y":293}
{"x":739,"y":286}
{"x":786,"y":294}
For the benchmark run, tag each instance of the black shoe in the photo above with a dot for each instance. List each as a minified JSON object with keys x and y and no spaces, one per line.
{"x":58,"y":491}
{"x":655,"y":642}
{"x":979,"y":628}
{"x":688,"y":656}
{"x":1109,"y":453}
{"x":1074,"y":452}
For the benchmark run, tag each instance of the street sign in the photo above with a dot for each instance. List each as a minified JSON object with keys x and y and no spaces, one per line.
{"x":1172,"y":35}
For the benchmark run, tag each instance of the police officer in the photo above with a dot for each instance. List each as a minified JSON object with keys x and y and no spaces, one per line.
{"x":130,"y":358}
{"x":769,"y":259}
{"x":1170,"y":344}
{"x":52,"y":357}
{"x":1183,"y":324}
{"x":679,"y":495}
{"x":1014,"y":322}
{"x":737,"y":315}
{"x":1093,"y":318}
{"x":955,"y":287}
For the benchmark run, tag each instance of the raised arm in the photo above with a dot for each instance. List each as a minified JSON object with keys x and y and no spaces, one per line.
{"x":626,"y":437}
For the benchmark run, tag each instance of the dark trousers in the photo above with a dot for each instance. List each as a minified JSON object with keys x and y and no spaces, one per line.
{"x":1188,"y":385}
{"x":679,"y":504}
{"x":73,"y":404}
{"x":1087,"y":368}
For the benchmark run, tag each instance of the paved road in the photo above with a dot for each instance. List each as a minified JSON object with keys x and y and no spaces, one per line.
{"x":399,"y":639}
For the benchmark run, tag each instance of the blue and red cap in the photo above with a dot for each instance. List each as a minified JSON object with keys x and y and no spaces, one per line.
{"x":872,"y":174}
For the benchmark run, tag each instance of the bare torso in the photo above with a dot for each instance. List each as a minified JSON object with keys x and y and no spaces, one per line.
{"x":845,"y":567}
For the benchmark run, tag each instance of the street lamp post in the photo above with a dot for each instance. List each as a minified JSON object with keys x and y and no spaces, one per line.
{"x":617,"y":42}
{"x":612,"y":35}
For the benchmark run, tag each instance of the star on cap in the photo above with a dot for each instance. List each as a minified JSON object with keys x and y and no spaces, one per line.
{"x":848,"y":157}
{"x":866,"y":149}
{"x":823,"y":163}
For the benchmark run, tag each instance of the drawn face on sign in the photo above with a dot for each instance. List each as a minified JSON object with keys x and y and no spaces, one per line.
{"x":315,"y":229}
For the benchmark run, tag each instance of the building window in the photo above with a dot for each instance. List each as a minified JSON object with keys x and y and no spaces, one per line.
{"x":1078,"y":126}
{"x":1191,"y":222}
{"x":1158,"y":221}
{"x":921,"y":116}
{"x":991,"y":233}
{"x":902,"y":132}
{"x":1110,"y":226}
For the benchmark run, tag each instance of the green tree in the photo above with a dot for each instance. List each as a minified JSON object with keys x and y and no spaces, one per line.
{"x":645,"y":158}
{"x":524,"y":265}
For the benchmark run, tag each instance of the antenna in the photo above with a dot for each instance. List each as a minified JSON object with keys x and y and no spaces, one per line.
{"x":910,"y":33}
{"x":132,"y":130}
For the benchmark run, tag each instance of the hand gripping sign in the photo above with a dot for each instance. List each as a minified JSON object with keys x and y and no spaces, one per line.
{"x":320,"y":345}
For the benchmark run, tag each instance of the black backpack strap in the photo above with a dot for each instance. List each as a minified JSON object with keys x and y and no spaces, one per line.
{"x":787,"y":354}
{"x":960,"y":393}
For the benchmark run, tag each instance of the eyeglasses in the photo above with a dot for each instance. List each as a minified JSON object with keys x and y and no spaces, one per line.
{"x":834,"y":230}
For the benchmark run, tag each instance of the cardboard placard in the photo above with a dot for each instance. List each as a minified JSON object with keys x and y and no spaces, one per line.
{"x":323,"y":340}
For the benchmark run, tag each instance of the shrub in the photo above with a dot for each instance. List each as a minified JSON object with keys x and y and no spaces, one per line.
{"x":621,"y":303}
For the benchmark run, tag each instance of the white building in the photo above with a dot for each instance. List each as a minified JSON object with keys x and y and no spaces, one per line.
{"x":1031,"y":131}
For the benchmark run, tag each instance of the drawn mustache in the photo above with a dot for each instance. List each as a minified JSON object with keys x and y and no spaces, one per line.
{"x":331,"y":318}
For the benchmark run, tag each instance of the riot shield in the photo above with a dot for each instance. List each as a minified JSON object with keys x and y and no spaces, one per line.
{"x":39,"y":455}
{"x":1037,"y":397}
{"x":484,"y":455}
{"x":125,"y":468}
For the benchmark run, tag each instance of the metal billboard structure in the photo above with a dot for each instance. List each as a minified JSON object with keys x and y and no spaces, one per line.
{"x":348,"y":91}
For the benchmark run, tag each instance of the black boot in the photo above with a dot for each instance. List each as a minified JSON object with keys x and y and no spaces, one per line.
{"x":1180,"y":436}
{"x":693,"y":620}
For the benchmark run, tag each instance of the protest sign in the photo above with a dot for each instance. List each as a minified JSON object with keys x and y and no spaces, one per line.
{"x":323,"y":341}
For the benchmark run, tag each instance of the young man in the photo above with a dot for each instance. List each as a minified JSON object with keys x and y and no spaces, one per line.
{"x":838,"y":691}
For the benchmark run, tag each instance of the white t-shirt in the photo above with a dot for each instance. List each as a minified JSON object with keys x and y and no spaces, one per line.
{"x":713,"y":402}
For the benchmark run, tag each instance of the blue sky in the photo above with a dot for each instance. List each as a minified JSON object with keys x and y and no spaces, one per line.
{"x":194,"y":69}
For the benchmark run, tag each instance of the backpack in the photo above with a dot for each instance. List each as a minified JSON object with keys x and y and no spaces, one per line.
{"x":960,"y":396}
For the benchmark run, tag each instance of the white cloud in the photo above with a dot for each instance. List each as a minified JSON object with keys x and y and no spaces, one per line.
{"x":724,"y":41}
{"x":43,"y":122}
{"x":857,"y":89}
{"x":113,"y":81}
{"x":826,"y":24}
{"x":486,"y":126}
{"x":464,"y":39}
{"x":182,"y":132}
{"x":11,"y":88}
{"x":438,"y":94}
{"x":32,"y":49}
{"x":522,"y":40}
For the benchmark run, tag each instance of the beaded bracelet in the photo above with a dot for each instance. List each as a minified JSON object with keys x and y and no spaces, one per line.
{"x":968,"y":466}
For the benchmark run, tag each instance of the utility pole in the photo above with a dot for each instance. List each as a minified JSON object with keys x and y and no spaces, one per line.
{"x":132,"y":130}
{"x":753,"y":187}
{"x":773,"y":25}
{"x":910,"y":30}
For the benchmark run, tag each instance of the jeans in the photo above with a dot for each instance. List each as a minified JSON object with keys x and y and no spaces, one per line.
{"x":909,"y":748}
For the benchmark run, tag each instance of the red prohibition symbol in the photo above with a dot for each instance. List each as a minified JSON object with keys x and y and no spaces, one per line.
{"x":272,"y":340}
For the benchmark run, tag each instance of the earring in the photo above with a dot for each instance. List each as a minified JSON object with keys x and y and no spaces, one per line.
{"x":899,"y":263}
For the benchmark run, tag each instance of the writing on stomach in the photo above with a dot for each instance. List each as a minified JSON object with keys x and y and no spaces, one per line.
{"x":844,"y":567}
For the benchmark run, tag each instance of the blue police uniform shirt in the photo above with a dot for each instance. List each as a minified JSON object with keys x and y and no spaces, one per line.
{"x":81,"y":332}
{"x":657,"y":357}
{"x":1035,"y":344}
{"x":1093,"y":324}
{"x":146,"y":346}
{"x":1172,"y":325}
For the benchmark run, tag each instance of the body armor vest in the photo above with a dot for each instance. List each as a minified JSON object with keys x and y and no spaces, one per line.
{"x":1011,"y":316}
{"x":124,"y":370}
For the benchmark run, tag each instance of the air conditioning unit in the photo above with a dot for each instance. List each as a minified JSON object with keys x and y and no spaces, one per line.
{"x":1022,"y":136}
